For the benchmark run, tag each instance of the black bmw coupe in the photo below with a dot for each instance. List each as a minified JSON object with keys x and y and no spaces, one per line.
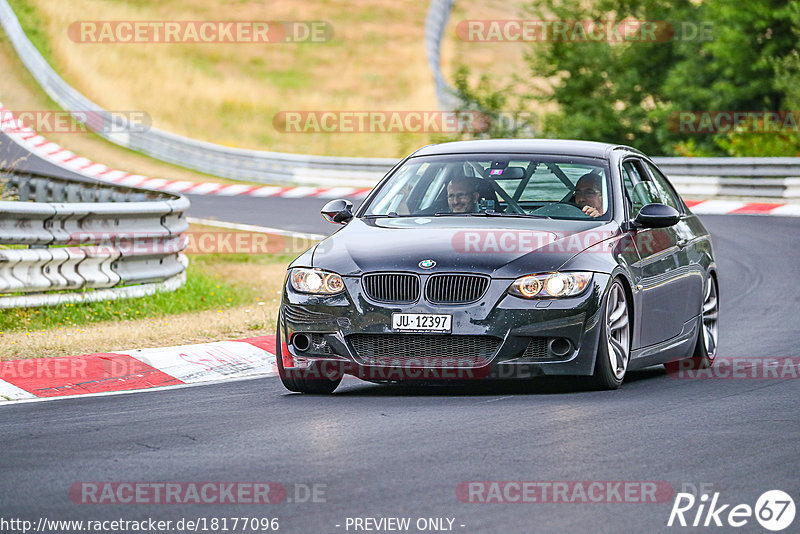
{"x":503,"y":259}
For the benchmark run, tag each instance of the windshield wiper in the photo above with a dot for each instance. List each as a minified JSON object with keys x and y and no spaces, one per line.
{"x":503,"y":214}
{"x":493,"y":214}
{"x":390,"y":215}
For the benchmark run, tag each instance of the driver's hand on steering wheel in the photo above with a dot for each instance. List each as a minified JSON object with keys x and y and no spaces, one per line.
{"x":590,"y":211}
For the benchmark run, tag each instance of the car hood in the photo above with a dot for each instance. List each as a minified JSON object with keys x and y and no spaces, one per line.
{"x":501,"y":247}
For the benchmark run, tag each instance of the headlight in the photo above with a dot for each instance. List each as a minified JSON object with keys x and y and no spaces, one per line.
{"x":315,"y":281}
{"x":550,"y":285}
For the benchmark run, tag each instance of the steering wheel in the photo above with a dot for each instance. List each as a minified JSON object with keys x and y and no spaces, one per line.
{"x":560,"y":209}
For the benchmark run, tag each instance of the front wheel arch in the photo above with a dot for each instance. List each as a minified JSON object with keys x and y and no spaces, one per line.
{"x":627,"y":287}
{"x":604,"y":376}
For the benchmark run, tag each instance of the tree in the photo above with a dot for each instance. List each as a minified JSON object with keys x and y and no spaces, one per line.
{"x":496,"y":112}
{"x":710,"y":56}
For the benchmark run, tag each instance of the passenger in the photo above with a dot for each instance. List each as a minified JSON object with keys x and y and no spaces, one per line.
{"x":589,"y":194}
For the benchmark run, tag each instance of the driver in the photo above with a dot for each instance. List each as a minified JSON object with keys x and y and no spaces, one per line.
{"x":462,"y":194}
{"x":589,"y":194}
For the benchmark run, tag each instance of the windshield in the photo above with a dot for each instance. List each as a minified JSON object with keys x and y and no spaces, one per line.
{"x":559,"y":187}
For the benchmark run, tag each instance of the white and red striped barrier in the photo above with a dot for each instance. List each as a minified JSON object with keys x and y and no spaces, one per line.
{"x":33,"y":142}
{"x":733,"y":207}
{"x":136,"y":369}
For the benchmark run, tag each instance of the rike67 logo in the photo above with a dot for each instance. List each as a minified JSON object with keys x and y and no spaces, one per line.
{"x":774,"y":510}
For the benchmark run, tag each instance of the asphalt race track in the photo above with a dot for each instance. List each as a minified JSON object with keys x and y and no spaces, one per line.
{"x":388,"y":451}
{"x":297,"y":214}
{"x":13,"y":156}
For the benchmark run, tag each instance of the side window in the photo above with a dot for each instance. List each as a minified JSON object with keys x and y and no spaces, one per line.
{"x":667,"y":194}
{"x":641,"y":191}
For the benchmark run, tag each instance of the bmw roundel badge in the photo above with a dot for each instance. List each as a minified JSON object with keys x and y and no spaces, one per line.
{"x":427,"y":264}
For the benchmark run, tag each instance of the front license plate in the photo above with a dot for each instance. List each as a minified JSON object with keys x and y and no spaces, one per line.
{"x":421,"y":322}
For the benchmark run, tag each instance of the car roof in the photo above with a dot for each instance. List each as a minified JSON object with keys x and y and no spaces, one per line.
{"x":566,"y":147}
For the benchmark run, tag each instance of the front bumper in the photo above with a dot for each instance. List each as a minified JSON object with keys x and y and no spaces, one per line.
{"x":529,"y":337}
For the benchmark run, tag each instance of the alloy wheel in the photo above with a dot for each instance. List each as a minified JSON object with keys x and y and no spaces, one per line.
{"x":710,"y":318}
{"x":618,"y":331}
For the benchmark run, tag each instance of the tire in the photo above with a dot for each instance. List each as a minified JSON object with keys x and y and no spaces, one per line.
{"x":705,"y":350}
{"x":297,"y":380}
{"x":288,"y":381}
{"x":614,"y":347}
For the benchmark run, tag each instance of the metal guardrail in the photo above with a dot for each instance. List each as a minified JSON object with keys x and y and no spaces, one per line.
{"x":731,"y":167}
{"x":83,"y":235}
{"x":774,"y":178}
{"x":435,"y":24}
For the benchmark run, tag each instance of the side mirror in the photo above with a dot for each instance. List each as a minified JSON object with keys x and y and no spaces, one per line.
{"x":338,"y":211}
{"x":657,"y":216}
